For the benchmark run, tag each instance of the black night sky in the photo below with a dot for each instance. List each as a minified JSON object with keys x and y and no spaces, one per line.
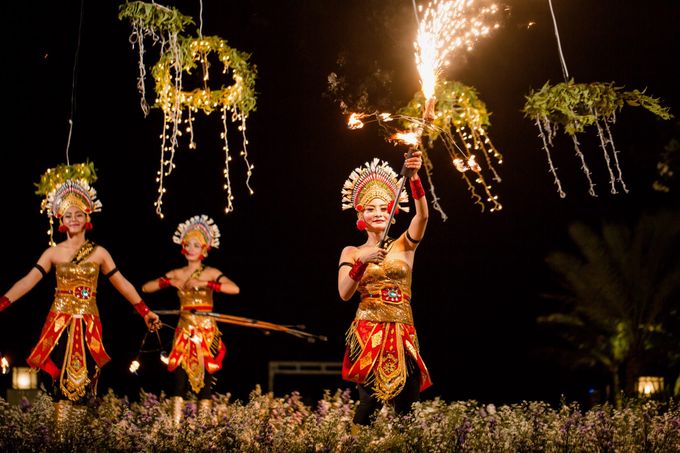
{"x":479,"y":278}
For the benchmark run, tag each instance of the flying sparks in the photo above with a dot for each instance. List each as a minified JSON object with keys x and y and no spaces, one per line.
{"x":447,"y":25}
{"x":447,"y":111}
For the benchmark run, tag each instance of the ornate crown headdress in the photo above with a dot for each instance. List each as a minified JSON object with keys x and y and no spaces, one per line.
{"x":375,"y":179}
{"x":72,"y":193}
{"x":202,"y":225}
{"x":65,"y":186}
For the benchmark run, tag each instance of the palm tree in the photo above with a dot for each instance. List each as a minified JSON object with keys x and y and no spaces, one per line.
{"x":622,"y":295}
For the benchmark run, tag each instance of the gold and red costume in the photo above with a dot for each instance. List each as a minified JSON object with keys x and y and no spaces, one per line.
{"x":197,"y":346}
{"x":382,"y":335}
{"x":75,"y":308}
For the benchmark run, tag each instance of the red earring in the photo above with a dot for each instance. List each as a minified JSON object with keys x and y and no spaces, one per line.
{"x":361,"y":225}
{"x":201,"y":257}
{"x":184,"y":251}
{"x":88,"y":226}
{"x":63,"y":228}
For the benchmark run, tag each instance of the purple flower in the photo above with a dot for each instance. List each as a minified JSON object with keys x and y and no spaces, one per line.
{"x":24,"y":404}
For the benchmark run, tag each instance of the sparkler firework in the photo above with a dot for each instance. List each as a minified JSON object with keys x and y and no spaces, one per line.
{"x":449,"y":111}
{"x":447,"y":25}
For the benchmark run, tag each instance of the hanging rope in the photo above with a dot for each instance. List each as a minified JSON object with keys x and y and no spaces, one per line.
{"x":565,"y":72}
{"x":200,"y":19}
{"x":73,"y":82}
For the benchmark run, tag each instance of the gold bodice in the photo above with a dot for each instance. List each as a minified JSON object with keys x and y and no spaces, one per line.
{"x":199,"y":299}
{"x":76,"y":288}
{"x":386,"y":293}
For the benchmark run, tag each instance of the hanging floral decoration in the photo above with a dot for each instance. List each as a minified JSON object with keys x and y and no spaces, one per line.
{"x":573,"y":107}
{"x":460,"y":124}
{"x":161,"y":24}
{"x":235,"y":102}
{"x":186,"y":55}
{"x":54,"y":177}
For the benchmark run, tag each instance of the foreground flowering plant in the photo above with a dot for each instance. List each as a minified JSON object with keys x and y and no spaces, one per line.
{"x":267,"y":423}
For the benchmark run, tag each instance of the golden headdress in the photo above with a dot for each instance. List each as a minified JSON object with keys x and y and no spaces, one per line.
{"x":65,"y":186}
{"x":375,"y":179}
{"x":72,"y":193}
{"x":203,"y":227}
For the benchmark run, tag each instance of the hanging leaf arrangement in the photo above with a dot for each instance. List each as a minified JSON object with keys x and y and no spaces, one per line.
{"x":460,"y":124}
{"x":573,"y":107}
{"x":235,"y":101}
{"x":161,"y":24}
{"x":54,"y":177}
{"x":181,"y":55}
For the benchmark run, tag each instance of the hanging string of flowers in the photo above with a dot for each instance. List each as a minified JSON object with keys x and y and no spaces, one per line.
{"x":575,"y":106}
{"x":183,"y":54}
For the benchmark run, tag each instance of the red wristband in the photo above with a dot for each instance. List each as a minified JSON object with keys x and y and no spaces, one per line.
{"x":417,"y":190}
{"x":163,"y":282}
{"x":357,"y":270}
{"x":141,"y":308}
{"x":215,"y":286}
{"x":4,"y":302}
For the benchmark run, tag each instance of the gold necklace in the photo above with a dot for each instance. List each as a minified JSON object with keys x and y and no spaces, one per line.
{"x":197,"y":272}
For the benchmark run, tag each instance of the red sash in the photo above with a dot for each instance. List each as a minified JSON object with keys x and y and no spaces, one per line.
{"x":74,"y":369}
{"x":379,"y":350}
{"x":195,"y":356}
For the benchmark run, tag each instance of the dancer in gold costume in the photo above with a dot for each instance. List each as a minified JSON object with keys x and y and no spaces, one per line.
{"x":197,"y":345}
{"x":77,"y":263}
{"x":382,"y":355}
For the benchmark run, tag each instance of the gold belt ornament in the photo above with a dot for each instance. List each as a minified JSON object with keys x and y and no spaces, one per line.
{"x":79,"y":292}
{"x":393,"y":295}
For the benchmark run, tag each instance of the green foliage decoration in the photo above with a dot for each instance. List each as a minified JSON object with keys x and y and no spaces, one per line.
{"x":239,"y":97}
{"x":575,"y":106}
{"x":460,"y":123}
{"x":180,"y":54}
{"x":153,"y":16}
{"x":56,"y":176}
{"x":458,"y":105}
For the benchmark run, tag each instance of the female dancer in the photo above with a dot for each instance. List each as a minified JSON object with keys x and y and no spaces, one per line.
{"x":382,"y":354}
{"x":197,"y":346}
{"x":77,"y":263}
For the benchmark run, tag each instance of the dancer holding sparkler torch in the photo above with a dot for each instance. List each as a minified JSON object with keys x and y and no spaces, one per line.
{"x":382,"y":354}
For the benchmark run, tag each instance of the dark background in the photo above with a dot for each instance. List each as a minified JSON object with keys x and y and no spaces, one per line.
{"x":480,"y":278}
